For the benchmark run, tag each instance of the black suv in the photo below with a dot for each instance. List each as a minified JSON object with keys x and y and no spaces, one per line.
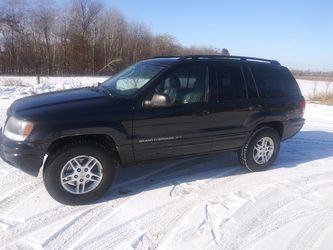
{"x":156,"y":109}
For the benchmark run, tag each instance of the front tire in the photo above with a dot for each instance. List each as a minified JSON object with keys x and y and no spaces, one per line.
{"x":261,"y":149}
{"x":79,"y":173}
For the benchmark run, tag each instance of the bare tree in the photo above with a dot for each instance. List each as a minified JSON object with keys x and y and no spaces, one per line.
{"x":83,"y":22}
{"x":43,"y":21}
{"x":225,"y":52}
{"x":82,"y":37}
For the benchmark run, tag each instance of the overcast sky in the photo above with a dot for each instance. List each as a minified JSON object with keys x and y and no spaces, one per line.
{"x":297,"y":33}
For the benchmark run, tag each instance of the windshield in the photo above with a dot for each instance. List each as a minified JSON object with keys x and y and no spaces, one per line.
{"x":129,"y":81}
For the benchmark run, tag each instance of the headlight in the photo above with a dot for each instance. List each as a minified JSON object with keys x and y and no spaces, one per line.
{"x":17,"y":130}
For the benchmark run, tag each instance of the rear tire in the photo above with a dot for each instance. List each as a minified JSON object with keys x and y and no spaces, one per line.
{"x":261,"y":149}
{"x":79,"y":173}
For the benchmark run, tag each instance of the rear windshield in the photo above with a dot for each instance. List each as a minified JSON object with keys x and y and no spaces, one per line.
{"x":275,"y":81}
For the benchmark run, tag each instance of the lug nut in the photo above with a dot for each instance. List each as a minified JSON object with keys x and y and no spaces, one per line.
{"x":75,"y":176}
{"x":87,"y":175}
{"x":86,"y":170}
{"x":79,"y":169}
{"x":81,"y":180}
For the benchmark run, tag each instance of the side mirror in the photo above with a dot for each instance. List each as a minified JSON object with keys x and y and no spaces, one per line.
{"x":158,"y":100}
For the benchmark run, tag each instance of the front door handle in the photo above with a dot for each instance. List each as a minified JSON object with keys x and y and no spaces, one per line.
{"x":257,"y":107}
{"x":202,"y":112}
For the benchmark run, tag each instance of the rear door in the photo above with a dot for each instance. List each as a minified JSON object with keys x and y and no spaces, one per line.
{"x":234,"y":110}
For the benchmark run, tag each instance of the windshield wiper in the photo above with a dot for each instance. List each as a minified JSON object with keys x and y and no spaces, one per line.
{"x":105,"y":88}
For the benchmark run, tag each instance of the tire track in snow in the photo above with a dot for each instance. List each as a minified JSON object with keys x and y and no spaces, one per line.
{"x":61,"y":216}
{"x":250,"y":210}
{"x":274,"y":223}
{"x":213,"y":222}
{"x":246,"y":216}
{"x":18,"y":195}
{"x":9,"y":181}
{"x":53,"y":215}
{"x":100,"y":214}
{"x":196,"y":194}
{"x":140,"y":226}
{"x":158,"y":233}
{"x":265,"y":195}
{"x":283,"y":221}
{"x":154,"y":225}
{"x":37,"y":222}
{"x":312,"y":231}
{"x":72,"y":232}
{"x":185,"y":188}
{"x":258,"y":223}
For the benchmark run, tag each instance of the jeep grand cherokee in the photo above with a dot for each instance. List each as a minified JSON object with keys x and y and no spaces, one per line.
{"x":160,"y":108}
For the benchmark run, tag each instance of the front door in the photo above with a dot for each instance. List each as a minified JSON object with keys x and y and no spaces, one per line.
{"x":183,"y":128}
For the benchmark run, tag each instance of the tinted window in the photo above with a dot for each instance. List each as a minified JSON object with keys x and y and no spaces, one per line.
{"x":230,"y":82}
{"x":185,"y":85}
{"x":274,"y":81}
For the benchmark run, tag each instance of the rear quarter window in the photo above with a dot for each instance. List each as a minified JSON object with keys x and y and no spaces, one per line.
{"x":275,"y":81}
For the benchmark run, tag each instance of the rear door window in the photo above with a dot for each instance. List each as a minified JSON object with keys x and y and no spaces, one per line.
{"x":230,"y":80}
{"x":275,"y":81}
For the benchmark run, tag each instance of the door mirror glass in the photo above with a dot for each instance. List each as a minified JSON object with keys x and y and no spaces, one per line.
{"x":158,"y":100}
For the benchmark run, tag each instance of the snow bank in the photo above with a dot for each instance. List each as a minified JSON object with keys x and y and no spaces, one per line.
{"x":312,"y":87}
{"x":19,"y":86}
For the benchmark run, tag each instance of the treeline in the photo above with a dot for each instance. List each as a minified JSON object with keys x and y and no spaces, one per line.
{"x":313,"y":75}
{"x":82,"y":37}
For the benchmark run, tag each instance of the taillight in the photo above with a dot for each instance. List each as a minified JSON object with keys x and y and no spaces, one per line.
{"x":302,"y":107}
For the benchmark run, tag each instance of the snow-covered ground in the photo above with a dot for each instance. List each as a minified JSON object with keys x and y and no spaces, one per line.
{"x":312,"y":87}
{"x":198,"y":203}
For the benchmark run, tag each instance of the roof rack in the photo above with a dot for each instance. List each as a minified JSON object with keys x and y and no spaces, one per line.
{"x":237,"y":58}
{"x":156,"y":57}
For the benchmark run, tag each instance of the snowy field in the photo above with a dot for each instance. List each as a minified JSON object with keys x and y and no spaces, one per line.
{"x":198,"y":203}
{"x":312,"y":87}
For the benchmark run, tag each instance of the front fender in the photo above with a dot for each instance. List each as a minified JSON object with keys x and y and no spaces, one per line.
{"x":45,"y":134}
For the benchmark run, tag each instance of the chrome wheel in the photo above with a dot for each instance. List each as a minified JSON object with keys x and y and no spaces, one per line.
{"x":81,"y":174}
{"x":263,"y":150}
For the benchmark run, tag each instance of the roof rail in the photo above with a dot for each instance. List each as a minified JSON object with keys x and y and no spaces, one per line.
{"x":238,"y":58}
{"x":155,"y":57}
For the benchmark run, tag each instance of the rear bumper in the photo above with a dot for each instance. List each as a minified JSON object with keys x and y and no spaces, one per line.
{"x":20,"y":155}
{"x":292,"y":127}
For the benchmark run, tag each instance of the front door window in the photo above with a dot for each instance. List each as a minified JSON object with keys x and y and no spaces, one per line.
{"x":186,"y":85}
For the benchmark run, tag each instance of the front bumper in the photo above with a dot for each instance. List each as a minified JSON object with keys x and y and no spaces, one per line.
{"x":20,"y":155}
